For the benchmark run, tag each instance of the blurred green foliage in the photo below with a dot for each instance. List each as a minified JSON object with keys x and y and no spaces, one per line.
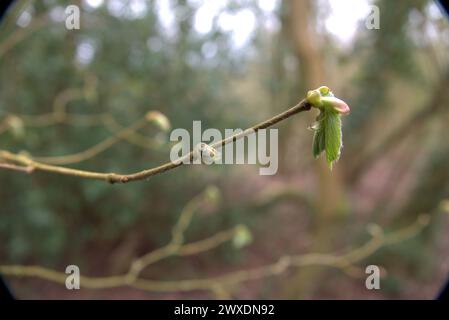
{"x":138,"y":67}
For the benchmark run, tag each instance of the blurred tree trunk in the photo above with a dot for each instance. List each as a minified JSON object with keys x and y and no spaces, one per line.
{"x":329,"y":202}
{"x":284,"y":84}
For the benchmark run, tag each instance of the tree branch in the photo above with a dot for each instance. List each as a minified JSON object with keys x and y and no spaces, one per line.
{"x":16,"y":167}
{"x":344,"y":262}
{"x":23,"y":160}
{"x":21,"y":33}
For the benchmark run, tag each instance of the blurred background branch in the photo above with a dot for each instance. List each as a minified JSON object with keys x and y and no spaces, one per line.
{"x":47,"y":164}
{"x":177,"y":247}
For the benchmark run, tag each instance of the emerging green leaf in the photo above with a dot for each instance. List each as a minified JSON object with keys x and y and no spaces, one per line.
{"x":327,"y":128}
{"x":318,"y":138}
{"x":332,"y":136}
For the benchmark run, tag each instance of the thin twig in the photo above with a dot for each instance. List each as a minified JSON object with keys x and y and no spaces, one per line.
{"x":144,"y":174}
{"x":21,"y":33}
{"x":16,"y":167}
{"x":134,"y":138}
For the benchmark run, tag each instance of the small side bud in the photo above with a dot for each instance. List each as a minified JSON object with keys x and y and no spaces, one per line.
{"x":374,"y":230}
{"x":159,"y":119}
{"x":206,"y":153}
{"x":242,"y":237}
{"x":212,"y":194}
{"x":444,"y":205}
{"x":324,"y":90}
{"x":314,"y":98}
{"x":16,"y":125}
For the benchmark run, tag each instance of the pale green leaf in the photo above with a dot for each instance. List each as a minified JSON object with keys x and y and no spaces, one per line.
{"x":332,"y":136}
{"x":318,"y":140}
